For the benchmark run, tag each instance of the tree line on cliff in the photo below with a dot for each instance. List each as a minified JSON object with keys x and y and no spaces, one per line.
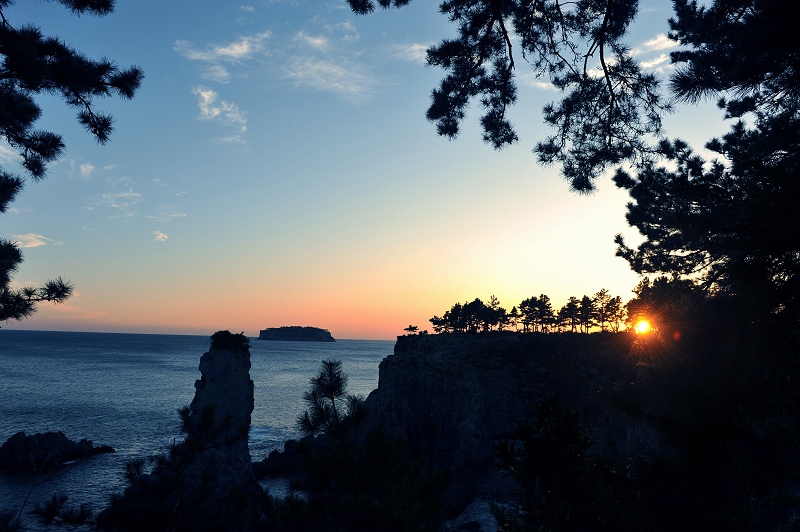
{"x":656,"y":299}
{"x":729,"y":222}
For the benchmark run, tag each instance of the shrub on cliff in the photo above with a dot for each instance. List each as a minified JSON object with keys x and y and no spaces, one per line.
{"x":562,"y":486}
{"x":160,"y":501}
{"x":361,"y":486}
{"x":353,"y":478}
{"x":329,"y":386}
{"x":228,"y":340}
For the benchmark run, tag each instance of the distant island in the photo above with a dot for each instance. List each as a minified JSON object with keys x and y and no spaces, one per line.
{"x":296,"y":334}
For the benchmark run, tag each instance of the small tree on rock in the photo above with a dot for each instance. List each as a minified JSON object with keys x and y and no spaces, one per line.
{"x":330,"y":386}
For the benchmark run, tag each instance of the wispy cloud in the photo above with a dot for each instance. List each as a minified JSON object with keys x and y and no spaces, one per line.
{"x":232,"y":52}
{"x":121,"y":204}
{"x":213,"y":108}
{"x":317,"y":42}
{"x":159,"y":236}
{"x":414,"y":52}
{"x":217,"y":55}
{"x":217,"y":73}
{"x":660,"y":42}
{"x":321,"y":57}
{"x":87,"y":169}
{"x":346,"y":79}
{"x":661,"y":59}
{"x":326,"y":60}
{"x":530,"y":79}
{"x":32,"y":240}
{"x":7,"y":153}
{"x":343,"y":31}
{"x":19,"y":211}
{"x":648,"y":50}
{"x":167,"y":213}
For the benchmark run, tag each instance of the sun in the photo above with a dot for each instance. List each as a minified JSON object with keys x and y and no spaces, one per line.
{"x":642,"y":327}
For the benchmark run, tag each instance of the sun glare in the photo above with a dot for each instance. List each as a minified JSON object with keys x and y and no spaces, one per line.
{"x":642,"y":327}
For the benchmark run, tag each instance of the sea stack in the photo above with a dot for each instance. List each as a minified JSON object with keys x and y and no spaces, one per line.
{"x":207,"y":481}
{"x":218,"y":421}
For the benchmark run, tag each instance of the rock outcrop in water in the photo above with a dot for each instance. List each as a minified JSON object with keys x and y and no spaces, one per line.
{"x":207,"y":481}
{"x":218,"y":422}
{"x":296,"y":334}
{"x":44,"y":451}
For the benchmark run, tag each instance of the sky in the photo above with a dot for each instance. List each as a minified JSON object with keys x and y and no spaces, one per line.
{"x":276,"y":168}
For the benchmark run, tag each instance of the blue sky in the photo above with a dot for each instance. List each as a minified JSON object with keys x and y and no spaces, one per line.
{"x":276,"y":168}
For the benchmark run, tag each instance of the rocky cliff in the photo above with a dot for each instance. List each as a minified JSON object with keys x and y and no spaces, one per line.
{"x":451,"y":396}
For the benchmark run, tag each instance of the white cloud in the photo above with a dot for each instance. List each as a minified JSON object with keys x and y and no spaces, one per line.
{"x":530,"y":79}
{"x":249,"y":9}
{"x":349,"y":30}
{"x":235,"y":51}
{"x":123,"y":204}
{"x":233,"y":139}
{"x":313,"y":41}
{"x":32,"y":240}
{"x":662,"y":58}
{"x":342,"y":77}
{"x":109,"y":167}
{"x":167,"y":213}
{"x":159,"y":236}
{"x":213,"y":108}
{"x":87,"y":169}
{"x":414,"y":52}
{"x":661,"y":42}
{"x":217,"y":73}
{"x":7,"y":154}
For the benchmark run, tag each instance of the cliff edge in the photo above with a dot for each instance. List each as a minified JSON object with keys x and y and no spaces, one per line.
{"x":450,"y":397}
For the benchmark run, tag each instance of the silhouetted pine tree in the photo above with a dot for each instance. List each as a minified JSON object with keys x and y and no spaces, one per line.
{"x":33,"y":64}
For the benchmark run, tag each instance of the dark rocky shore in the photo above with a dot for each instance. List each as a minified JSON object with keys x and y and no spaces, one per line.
{"x":40,"y":452}
{"x":566,"y":431}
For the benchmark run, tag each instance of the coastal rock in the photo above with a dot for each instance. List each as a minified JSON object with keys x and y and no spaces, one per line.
{"x":281,"y":463}
{"x":44,"y":451}
{"x":450,"y":397}
{"x":296,"y":334}
{"x":219,"y":421}
{"x":207,"y":481}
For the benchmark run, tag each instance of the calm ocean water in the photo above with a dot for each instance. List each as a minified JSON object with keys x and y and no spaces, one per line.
{"x":124,"y":390}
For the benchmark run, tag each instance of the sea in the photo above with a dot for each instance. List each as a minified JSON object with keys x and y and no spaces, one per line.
{"x":124,"y":390}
